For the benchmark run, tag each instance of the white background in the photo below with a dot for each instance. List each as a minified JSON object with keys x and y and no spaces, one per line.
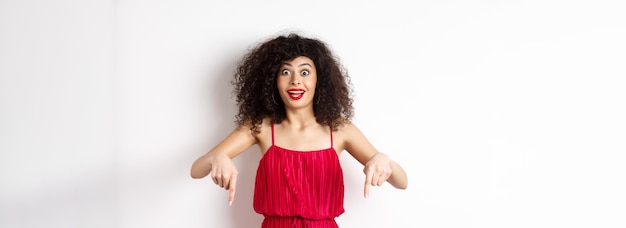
{"x":503,"y":113}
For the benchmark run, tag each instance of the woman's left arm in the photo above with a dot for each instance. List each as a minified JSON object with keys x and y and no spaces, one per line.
{"x":378,"y":167}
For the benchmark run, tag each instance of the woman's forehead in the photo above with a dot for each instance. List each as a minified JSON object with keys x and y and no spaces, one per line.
{"x":299,"y":62}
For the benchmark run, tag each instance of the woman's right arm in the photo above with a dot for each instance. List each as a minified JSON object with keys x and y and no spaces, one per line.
{"x":218,"y":161}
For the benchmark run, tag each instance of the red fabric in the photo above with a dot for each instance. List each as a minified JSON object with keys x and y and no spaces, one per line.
{"x":299,"y":188}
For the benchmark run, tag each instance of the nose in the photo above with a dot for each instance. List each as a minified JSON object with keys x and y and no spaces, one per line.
{"x":295,"y":80}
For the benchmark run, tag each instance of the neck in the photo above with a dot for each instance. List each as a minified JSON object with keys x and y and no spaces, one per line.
{"x":300,"y":117}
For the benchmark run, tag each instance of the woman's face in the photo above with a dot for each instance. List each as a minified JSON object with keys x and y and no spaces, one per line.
{"x":296,"y":82}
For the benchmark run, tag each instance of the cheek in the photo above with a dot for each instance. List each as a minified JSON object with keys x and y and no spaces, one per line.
{"x":281,"y":82}
{"x":312,"y":82}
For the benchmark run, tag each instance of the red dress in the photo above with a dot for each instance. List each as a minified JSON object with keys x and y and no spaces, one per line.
{"x":299,"y":188}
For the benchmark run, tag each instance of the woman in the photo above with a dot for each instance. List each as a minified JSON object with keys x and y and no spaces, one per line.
{"x":294,"y":103}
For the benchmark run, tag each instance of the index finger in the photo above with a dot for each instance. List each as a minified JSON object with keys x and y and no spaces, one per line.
{"x":368,"y":180}
{"x":231,"y":190}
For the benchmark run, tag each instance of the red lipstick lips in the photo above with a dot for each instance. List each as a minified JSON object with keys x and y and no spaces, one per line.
{"x":295,"y":94}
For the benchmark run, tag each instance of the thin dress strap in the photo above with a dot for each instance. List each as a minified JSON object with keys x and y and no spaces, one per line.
{"x":331,"y":136}
{"x":273,"y":134}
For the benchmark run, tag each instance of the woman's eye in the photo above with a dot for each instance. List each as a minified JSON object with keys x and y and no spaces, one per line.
{"x":285,"y":72}
{"x":305,"y":72}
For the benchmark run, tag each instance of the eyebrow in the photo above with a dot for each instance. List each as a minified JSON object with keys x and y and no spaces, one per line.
{"x":303,"y":64}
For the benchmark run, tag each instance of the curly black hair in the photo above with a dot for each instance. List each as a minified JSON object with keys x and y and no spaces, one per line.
{"x":257,"y":93}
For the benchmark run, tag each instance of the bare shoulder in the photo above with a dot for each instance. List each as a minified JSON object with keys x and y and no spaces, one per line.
{"x":247,"y":129}
{"x":347,"y":135}
{"x":348,"y":129}
{"x":352,"y":140}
